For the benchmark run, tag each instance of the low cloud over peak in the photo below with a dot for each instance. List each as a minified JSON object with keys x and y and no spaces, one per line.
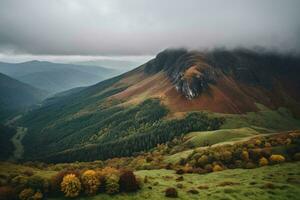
{"x":142,"y":27}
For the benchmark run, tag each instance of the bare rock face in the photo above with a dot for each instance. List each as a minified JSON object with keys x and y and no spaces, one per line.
{"x":190,"y":75}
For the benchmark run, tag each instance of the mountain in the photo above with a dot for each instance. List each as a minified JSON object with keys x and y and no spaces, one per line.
{"x":173,"y":94}
{"x":120,"y":65}
{"x":17,"y":96}
{"x":55,"y":77}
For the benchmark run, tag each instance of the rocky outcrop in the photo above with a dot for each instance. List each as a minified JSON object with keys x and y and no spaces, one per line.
{"x":188,"y":72}
{"x":192,"y":72}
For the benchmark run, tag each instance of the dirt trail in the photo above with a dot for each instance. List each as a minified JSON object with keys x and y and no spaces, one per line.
{"x":17,"y":142}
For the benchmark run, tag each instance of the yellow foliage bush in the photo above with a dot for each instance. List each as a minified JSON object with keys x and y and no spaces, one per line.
{"x":71,"y":185}
{"x":37,"y":196}
{"x":107,"y":171}
{"x":263,"y":161}
{"x":277,"y":158}
{"x":257,"y":142}
{"x":245,"y":155}
{"x":90,"y":182}
{"x":112,"y":184}
{"x":226,"y":156}
{"x":268,"y":144}
{"x":26,"y":194}
{"x":217,"y":168}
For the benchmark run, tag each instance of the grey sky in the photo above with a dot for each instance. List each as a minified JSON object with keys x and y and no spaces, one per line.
{"x":144,"y":27}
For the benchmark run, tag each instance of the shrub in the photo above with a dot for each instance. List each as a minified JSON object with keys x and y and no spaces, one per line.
{"x":208,"y":167}
{"x":171,"y":192}
{"x":37,"y":196}
{"x":258,"y":142}
{"x":217,"y":168}
{"x":90,"y":182}
{"x":28,"y":172}
{"x":276,"y":158}
{"x":268,"y":145}
{"x":55,"y":182}
{"x":226,"y":156}
{"x":193,"y":191}
{"x":20,"y":181}
{"x":188,"y":169}
{"x":71,"y":185}
{"x":128,"y":182}
{"x":179,"y":171}
{"x":107,"y":171}
{"x":112,"y":184}
{"x":35,"y":182}
{"x":255,"y":154}
{"x":249,"y":165}
{"x":296,"y":156}
{"x":263,"y":161}
{"x":26,"y":194}
{"x":203,"y":160}
{"x":245,"y":155}
{"x":196,"y":156}
{"x":238,"y":163}
{"x":7,"y":193}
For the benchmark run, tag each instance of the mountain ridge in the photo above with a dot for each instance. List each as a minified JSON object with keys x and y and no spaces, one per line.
{"x":55,"y":77}
{"x":107,"y":119}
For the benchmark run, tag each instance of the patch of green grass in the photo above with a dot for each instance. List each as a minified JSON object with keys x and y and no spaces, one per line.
{"x":271,"y":182}
{"x":274,"y":120}
{"x":10,"y":168}
{"x":205,"y":138}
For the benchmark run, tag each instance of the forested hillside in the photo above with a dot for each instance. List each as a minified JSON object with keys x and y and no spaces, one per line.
{"x":177,"y":92}
{"x":17,"y":96}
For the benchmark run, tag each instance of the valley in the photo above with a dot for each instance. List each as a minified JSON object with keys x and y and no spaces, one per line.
{"x":186,"y":124}
{"x":17,"y":142}
{"x":149,"y":100}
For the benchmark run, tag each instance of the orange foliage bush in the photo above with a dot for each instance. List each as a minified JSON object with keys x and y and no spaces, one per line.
{"x":276,"y":158}
{"x":71,"y":185}
{"x":90,"y":182}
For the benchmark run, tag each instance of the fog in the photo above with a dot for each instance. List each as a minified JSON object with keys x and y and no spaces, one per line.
{"x":118,"y":28}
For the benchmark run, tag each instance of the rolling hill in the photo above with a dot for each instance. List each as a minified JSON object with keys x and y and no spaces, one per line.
{"x":176,"y":93}
{"x":55,"y":77}
{"x":17,"y":96}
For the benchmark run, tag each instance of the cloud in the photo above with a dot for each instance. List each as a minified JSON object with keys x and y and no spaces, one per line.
{"x":143,"y":27}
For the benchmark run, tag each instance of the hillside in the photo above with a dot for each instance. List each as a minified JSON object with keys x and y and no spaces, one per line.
{"x":176,"y":93}
{"x":55,"y":77}
{"x":17,"y":96}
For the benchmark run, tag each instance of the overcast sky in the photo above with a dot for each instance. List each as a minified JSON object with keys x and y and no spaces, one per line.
{"x":65,"y":28}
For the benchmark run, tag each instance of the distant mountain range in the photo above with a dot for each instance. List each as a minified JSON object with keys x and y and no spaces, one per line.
{"x":17,"y":96}
{"x":121,"y":65}
{"x":56,"y":77}
{"x":163,"y":99}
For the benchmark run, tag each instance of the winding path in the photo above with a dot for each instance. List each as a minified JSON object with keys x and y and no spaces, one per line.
{"x":17,"y":142}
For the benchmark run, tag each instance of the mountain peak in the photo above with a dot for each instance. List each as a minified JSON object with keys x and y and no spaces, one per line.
{"x":193,"y":72}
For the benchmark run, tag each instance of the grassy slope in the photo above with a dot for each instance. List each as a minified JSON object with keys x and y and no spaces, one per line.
{"x":204,"y":138}
{"x":280,"y":119}
{"x":247,"y":184}
{"x":7,"y":168}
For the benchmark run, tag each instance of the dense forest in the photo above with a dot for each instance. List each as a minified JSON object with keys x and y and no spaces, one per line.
{"x":118,"y":132}
{"x":6,"y":133}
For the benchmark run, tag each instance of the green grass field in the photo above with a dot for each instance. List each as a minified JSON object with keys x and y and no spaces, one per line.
{"x":204,"y":138}
{"x":264,"y":120}
{"x":278,"y":182}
